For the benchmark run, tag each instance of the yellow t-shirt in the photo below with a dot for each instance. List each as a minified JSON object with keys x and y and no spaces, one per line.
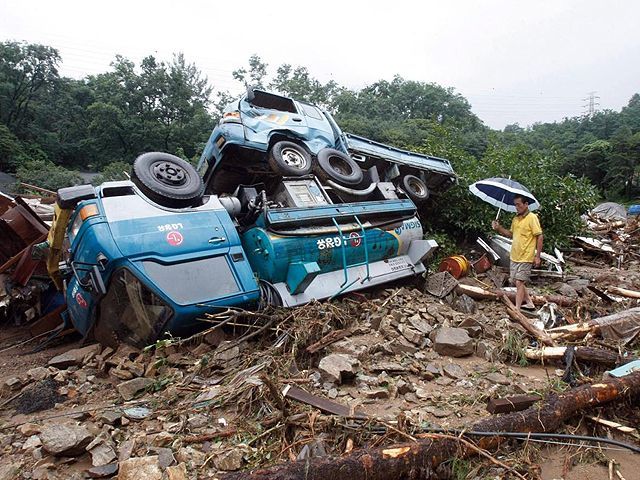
{"x":525,"y":229}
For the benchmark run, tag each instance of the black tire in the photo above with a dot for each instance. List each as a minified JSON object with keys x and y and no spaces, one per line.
{"x":415,"y":188}
{"x":289,"y":159}
{"x":167,"y":180}
{"x":337,"y":166}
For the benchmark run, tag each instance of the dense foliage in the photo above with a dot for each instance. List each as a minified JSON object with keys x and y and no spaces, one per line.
{"x":52,"y":125}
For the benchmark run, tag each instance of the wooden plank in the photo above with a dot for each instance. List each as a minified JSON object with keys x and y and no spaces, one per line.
{"x":514,"y":403}
{"x":324,"y":404}
{"x":49,"y":322}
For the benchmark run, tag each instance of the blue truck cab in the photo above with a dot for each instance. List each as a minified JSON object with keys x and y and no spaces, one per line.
{"x":160,"y":268}
{"x":263,"y":135}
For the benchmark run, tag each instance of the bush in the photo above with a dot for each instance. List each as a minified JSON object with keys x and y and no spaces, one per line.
{"x":562,"y":198}
{"x":44,"y":174}
{"x":113,"y":172}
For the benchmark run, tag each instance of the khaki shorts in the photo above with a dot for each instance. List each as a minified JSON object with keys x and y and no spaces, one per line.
{"x":520,"y":271}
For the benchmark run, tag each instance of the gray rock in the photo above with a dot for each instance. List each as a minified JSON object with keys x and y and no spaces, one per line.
{"x":65,"y":439}
{"x":453,"y":342}
{"x":13,"y":383}
{"x":130,"y":388}
{"x":453,"y":370}
{"x":411,"y":334}
{"x":498,"y":378}
{"x":338,"y":367}
{"x":420,"y":324}
{"x":39,"y":373}
{"x":565,"y":289}
{"x":403,"y":387}
{"x":377,"y":393}
{"x":102,"y":454}
{"x":142,"y":468}
{"x":165,"y":456}
{"x":103,"y":471}
{"x":486,"y":350}
{"x":198,"y":420}
{"x":177,"y":472}
{"x":465,"y":304}
{"x":229,"y":461}
{"x":432,"y":369}
{"x":125,"y":450}
{"x":110,"y":417}
{"x":77,"y":356}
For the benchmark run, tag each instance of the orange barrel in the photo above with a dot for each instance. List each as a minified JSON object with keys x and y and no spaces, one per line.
{"x":457,"y":265}
{"x":482,"y":264}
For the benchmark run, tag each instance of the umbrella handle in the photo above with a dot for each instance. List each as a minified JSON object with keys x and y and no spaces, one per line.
{"x":500,"y":207}
{"x":498,"y":214}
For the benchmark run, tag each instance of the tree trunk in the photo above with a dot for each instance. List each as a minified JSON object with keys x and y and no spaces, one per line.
{"x":583,"y":354}
{"x":419,"y":460}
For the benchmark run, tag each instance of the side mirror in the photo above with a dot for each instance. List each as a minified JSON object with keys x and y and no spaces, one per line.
{"x":96,"y":281}
{"x":251,"y":96}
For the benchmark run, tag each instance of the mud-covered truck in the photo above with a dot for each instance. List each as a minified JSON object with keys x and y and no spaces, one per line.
{"x":263,"y":136}
{"x":152,"y":255}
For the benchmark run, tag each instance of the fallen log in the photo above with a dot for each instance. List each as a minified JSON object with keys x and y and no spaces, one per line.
{"x":513,"y":312}
{"x":478,"y":293}
{"x":624,"y":292}
{"x":420,"y":459}
{"x":583,"y":354}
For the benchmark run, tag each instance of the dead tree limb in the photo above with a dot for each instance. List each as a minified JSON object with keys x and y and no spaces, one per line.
{"x":524,"y":321}
{"x":478,"y":293}
{"x":583,"y":354}
{"x":419,"y":460}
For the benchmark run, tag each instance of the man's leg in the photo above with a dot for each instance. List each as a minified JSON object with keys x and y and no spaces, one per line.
{"x":527,"y":298}
{"x":520,"y":293}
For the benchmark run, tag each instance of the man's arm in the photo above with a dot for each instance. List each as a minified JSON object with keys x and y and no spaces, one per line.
{"x":501,"y":230}
{"x":539,"y":240}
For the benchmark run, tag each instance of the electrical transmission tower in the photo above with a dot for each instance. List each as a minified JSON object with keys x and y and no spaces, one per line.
{"x":590,"y":107}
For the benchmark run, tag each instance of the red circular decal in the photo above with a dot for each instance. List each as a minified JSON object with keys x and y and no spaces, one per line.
{"x":356,"y":239}
{"x":174,"y":238}
{"x":80,"y":300}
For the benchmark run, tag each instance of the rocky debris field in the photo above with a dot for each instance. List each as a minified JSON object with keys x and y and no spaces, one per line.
{"x":326,"y":379}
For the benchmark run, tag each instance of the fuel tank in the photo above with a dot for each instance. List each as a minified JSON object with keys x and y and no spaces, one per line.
{"x":271,"y":255}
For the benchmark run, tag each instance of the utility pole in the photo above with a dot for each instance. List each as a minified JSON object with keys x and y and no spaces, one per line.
{"x":592,"y":103}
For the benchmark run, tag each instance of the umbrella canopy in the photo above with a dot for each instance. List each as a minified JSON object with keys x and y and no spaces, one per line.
{"x":500,"y":192}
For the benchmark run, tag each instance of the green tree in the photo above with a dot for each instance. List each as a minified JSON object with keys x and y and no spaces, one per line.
{"x":26,"y":71}
{"x":43,"y":173}
{"x":114,"y":171}
{"x":254,"y":75}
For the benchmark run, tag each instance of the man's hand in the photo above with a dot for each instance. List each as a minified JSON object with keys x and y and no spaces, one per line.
{"x":537,"y":261}
{"x":496,"y":225}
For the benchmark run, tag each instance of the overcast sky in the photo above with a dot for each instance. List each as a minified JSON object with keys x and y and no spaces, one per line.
{"x":515,"y":61}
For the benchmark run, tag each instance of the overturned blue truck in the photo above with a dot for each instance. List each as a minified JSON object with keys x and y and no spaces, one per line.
{"x":286,"y":209}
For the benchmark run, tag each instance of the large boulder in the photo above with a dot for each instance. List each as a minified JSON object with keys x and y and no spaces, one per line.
{"x":65,"y":439}
{"x":141,"y":468}
{"x":77,"y":356}
{"x":453,"y":342}
{"x":338,"y":367}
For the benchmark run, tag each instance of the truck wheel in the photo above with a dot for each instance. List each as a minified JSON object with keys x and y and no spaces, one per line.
{"x":289,"y":159}
{"x":334,"y":165}
{"x":415,"y":188}
{"x":167,"y":180}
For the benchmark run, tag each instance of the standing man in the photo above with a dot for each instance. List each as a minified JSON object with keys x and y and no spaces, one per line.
{"x":525,"y":249}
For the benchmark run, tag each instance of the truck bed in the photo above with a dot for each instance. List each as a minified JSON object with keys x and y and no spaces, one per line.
{"x":363,"y":146}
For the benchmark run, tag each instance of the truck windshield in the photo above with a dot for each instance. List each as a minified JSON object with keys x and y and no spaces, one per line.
{"x":197,"y":281}
{"x":130,"y":313}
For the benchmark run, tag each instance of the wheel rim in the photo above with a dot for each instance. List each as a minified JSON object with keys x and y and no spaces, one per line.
{"x":340,"y":166}
{"x":293,"y":158}
{"x":169,"y":173}
{"x":417,"y":187}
